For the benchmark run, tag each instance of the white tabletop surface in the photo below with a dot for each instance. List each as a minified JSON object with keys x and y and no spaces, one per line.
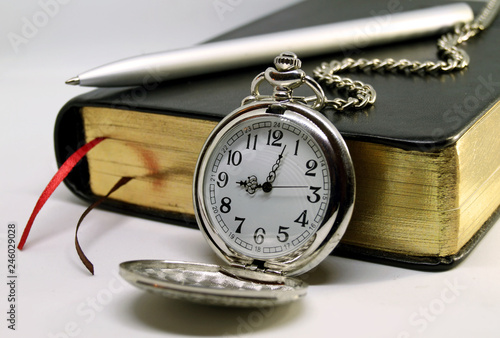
{"x":44,"y":42}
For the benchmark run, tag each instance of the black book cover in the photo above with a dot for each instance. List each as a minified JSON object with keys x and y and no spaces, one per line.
{"x":412,"y":112}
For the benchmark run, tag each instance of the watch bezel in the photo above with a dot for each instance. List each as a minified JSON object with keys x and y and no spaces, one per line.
{"x":342,"y":192}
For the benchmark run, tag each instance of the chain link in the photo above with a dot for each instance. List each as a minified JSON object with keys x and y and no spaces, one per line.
{"x":452,"y":58}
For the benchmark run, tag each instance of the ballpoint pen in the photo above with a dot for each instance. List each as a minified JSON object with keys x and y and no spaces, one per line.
{"x":231,"y":54}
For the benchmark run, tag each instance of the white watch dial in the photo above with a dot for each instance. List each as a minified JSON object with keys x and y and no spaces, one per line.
{"x":266,"y":187}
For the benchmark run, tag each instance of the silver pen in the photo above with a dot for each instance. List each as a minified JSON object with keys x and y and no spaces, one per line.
{"x":237,"y":53}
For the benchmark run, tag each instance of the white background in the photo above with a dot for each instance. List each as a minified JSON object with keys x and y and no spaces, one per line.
{"x":56,"y":295}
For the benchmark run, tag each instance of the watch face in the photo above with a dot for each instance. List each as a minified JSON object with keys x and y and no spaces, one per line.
{"x":265,"y":185}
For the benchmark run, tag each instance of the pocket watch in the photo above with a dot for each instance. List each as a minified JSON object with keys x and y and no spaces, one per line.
{"x":273,"y":192}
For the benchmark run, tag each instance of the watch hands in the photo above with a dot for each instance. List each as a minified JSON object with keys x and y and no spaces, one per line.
{"x":272,"y":174}
{"x":251,"y":185}
{"x":290,"y":186}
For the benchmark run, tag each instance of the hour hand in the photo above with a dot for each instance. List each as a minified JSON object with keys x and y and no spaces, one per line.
{"x":251,"y":185}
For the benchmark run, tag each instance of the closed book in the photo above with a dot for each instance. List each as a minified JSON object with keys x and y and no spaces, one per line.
{"x":425,"y":154}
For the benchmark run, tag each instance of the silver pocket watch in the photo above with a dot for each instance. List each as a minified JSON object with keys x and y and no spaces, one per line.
{"x":273,"y":192}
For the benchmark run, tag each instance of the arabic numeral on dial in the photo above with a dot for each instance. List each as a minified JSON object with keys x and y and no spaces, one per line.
{"x":273,"y":137}
{"x":226,"y":205}
{"x":315,"y":196}
{"x":311,"y":165}
{"x":283,"y":235}
{"x":302,"y":219}
{"x":223,"y":179}
{"x":252,"y":142}
{"x":296,"y":152}
{"x":259,"y":235}
{"x":241,"y":220}
{"x":234,"y":158}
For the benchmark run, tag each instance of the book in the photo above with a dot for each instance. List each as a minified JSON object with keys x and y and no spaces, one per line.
{"x":425,"y":155}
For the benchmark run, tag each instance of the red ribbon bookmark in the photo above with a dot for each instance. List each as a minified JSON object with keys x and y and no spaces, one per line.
{"x":61,"y":174}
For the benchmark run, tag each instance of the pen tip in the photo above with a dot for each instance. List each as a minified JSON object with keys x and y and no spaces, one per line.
{"x":74,"y":81}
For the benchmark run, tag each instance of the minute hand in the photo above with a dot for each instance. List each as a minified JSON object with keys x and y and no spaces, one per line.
{"x":290,"y":186}
{"x":272,"y":175}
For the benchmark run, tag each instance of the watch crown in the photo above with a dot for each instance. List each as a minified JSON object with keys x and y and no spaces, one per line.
{"x":287,"y":61}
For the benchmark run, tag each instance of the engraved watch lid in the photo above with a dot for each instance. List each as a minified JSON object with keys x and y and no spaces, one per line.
{"x":212,"y":284}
